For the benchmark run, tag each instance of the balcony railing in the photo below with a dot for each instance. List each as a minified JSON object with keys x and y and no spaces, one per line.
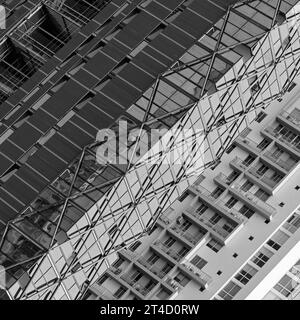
{"x":137,"y":285}
{"x":104,"y":293}
{"x":221,"y":205}
{"x":198,"y":272}
{"x":283,"y":164}
{"x":192,"y":238}
{"x":263,"y":178}
{"x":290,"y":117}
{"x":169,"y":251}
{"x":248,"y":142}
{"x":272,"y":131}
{"x":251,"y":196}
{"x":154,"y":269}
{"x":238,"y":162}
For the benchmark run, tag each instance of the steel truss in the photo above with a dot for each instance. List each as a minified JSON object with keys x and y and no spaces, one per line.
{"x":65,"y":261}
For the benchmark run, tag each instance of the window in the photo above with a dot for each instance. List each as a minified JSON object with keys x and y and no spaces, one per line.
{"x":262,"y":170}
{"x":248,"y":160}
{"x":183,"y":197}
{"x":169,"y":242}
{"x":166,"y":269}
{"x":262,"y":195}
{"x":232,"y":177}
{"x":277,"y":153}
{"x":278,"y":240}
{"x":260,"y":117}
{"x":247,"y":186}
{"x":251,"y":238}
{"x":262,"y":257}
{"x":215,"y":218}
{"x":214,"y":245}
{"x":118,"y":263}
{"x":276,"y":177}
{"x":202,"y":208}
{"x":120,"y":292}
{"x":297,"y":188}
{"x":217,"y":192}
{"x":185,"y":225}
{"x":246,"y":274}
{"x":228,"y":227}
{"x":235,"y":255}
{"x":246,"y":211}
{"x":198,"y":262}
{"x":182,"y":279}
{"x":102,"y":279}
{"x":281,"y":204}
{"x":219,"y":272}
{"x":263,"y":145}
{"x":293,"y":223}
{"x":231,"y":202}
{"x":286,"y":285}
{"x":135,"y":245}
{"x":183,"y":251}
{"x":229,"y":291}
{"x":153,"y":258}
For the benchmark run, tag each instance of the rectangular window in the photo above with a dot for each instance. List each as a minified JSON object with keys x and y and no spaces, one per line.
{"x":247,"y":212}
{"x":214,"y":245}
{"x":232,"y":177}
{"x":134,"y":246}
{"x":229,"y":291}
{"x":286,"y":285}
{"x":247,"y":186}
{"x":202,"y":208}
{"x":169,"y":242}
{"x":153,"y":258}
{"x":183,"y":252}
{"x":261,"y":257}
{"x":264,"y":144}
{"x":293,"y":223}
{"x":231,"y":202}
{"x":198,"y":262}
{"x":215,"y":218}
{"x":183,"y":197}
{"x":278,"y":240}
{"x":118,"y":263}
{"x":260,"y":117}
{"x":248,"y":160}
{"x":182,"y":279}
{"x":120,"y":292}
{"x":246,"y":274}
{"x":262,"y":170}
{"x":262,"y":195}
{"x":217,"y":192}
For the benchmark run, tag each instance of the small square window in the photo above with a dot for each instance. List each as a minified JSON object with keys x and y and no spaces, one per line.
{"x":267,"y":221}
{"x":201,"y":289}
{"x":235,"y":255}
{"x":281,"y":204}
{"x":297,"y":188}
{"x":219,"y":272}
{"x":251,"y":238}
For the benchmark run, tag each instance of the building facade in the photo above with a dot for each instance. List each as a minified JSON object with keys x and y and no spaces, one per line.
{"x":234,"y":234}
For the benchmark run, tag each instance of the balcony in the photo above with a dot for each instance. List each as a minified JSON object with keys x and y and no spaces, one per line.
{"x":216,"y":231}
{"x":137,"y":285}
{"x":248,"y":145}
{"x":253,"y":202}
{"x":238,"y":164}
{"x":152,"y":268}
{"x":264,"y":181}
{"x":290,"y":119}
{"x":283,"y":142}
{"x":197,"y":274}
{"x":286,"y":166}
{"x":192,"y":239}
{"x":103,"y":292}
{"x":128,"y":254}
{"x":169,"y":251}
{"x":219,"y":206}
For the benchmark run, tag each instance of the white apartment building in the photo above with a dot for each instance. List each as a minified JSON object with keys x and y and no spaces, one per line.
{"x":234,"y":234}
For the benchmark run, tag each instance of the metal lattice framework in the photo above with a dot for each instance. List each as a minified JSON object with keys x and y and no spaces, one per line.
{"x":218,"y":94}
